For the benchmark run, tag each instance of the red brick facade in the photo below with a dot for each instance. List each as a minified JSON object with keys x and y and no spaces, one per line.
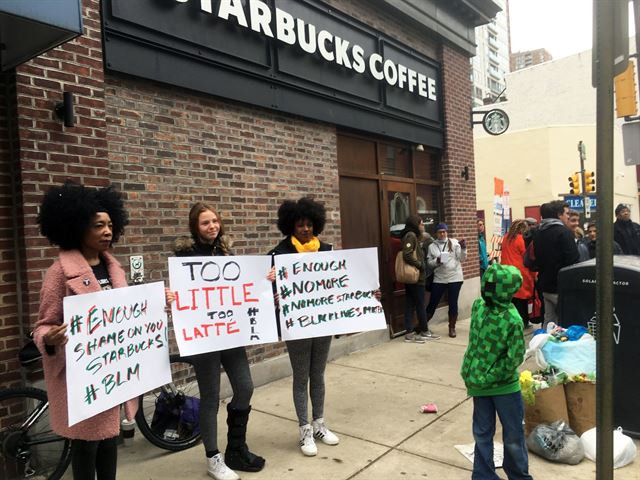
{"x":166,"y":148}
{"x":459,"y":193}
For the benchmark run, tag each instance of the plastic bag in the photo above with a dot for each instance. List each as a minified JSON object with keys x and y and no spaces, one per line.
{"x":571,"y":357}
{"x":624,"y":450}
{"x":556,"y":442}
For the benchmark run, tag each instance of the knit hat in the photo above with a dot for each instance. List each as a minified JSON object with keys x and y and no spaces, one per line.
{"x":442,"y":226}
{"x":620,"y":207}
{"x":531,"y":221}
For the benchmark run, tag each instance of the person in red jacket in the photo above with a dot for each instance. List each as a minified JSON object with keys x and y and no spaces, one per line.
{"x":513,"y":248}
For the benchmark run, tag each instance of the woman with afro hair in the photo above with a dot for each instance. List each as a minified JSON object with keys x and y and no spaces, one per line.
{"x":301,"y":222}
{"x":84,"y":222}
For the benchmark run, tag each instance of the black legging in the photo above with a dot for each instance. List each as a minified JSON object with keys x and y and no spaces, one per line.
{"x":91,"y":458}
{"x":522,"y":305}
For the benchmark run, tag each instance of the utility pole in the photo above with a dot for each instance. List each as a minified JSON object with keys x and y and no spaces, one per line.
{"x":610,"y":38}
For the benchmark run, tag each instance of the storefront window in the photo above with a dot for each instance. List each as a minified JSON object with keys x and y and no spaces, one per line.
{"x":426,"y":165}
{"x":395,"y":161}
{"x":428,"y":206}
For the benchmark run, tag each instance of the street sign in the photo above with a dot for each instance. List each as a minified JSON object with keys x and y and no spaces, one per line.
{"x":631,"y":143}
{"x":576,"y":202}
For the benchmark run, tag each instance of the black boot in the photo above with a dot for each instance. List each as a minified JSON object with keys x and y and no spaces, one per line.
{"x":452,"y":325}
{"x":237,"y":456}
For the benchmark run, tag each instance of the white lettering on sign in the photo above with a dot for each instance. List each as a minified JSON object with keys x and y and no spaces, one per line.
{"x":295,"y":31}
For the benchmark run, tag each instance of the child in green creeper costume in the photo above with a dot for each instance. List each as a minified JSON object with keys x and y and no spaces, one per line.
{"x":490,"y":372}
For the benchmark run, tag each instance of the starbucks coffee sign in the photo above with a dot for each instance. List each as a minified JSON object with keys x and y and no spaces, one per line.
{"x":297,"y":56}
{"x":285,"y":28}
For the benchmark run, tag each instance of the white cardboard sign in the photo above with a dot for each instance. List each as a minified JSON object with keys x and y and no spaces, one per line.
{"x":328,"y":293}
{"x":118,"y":347}
{"x":222,"y":302}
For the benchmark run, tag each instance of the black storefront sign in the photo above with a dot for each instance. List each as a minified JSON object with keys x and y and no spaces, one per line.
{"x":295,"y":56}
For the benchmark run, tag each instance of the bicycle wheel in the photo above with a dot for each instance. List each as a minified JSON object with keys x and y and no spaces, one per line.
{"x":168,"y":416}
{"x":28,"y":446}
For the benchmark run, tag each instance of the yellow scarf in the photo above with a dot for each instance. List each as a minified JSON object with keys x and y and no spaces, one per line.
{"x":312,"y":245}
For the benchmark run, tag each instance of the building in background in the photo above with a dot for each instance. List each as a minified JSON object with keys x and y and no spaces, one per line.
{"x":520,"y":60}
{"x":552,"y":106}
{"x":491,"y":63}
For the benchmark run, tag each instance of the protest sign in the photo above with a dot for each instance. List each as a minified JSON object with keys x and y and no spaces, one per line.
{"x":222,"y":302}
{"x":118,"y":347}
{"x":328,"y":293}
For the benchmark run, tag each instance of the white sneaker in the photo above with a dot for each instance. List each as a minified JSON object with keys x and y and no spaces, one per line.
{"x":321,"y":432}
{"x":217,"y":469}
{"x":307,"y":444}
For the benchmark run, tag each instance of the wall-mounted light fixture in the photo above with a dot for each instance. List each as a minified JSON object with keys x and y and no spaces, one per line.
{"x":419,"y":148}
{"x":64,"y":109}
{"x":465,"y":173}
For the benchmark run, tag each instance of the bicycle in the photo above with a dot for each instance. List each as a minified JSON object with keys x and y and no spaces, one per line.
{"x":167,"y":417}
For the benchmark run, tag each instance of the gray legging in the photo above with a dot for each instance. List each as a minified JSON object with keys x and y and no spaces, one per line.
{"x":308,"y":360}
{"x":207,"y":367}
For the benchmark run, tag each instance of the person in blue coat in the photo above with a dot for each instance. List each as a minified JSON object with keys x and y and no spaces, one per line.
{"x":482,"y":248}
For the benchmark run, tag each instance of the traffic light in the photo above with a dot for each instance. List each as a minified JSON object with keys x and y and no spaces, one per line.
{"x":589,"y":182}
{"x":574,"y":184}
{"x":625,"y":84}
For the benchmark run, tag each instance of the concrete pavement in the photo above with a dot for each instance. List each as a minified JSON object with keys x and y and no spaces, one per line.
{"x":372,"y":400}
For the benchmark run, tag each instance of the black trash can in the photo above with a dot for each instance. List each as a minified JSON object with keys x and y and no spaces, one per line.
{"x":577,"y":306}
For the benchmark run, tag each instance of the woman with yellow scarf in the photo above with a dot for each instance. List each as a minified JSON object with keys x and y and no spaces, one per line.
{"x":301,"y":222}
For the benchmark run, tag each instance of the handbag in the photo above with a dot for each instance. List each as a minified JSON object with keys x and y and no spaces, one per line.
{"x":405,"y":273}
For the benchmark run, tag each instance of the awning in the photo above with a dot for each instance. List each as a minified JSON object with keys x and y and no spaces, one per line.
{"x":29,"y":28}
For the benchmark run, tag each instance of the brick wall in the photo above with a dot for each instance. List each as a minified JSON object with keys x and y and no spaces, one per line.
{"x":169,"y":149}
{"x":166,"y":148}
{"x":459,"y":194}
{"x":49,"y":152}
{"x":10,"y":340}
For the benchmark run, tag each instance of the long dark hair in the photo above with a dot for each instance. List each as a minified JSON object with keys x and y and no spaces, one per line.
{"x":412,"y":224}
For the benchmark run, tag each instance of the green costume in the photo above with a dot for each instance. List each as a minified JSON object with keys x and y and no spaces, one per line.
{"x":496,"y":342}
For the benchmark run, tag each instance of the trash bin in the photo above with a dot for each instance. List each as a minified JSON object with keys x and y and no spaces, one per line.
{"x":577,"y":306}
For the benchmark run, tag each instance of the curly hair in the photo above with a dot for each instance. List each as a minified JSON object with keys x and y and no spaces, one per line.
{"x":194,"y":218}
{"x":66,"y":213}
{"x":517,"y":227}
{"x":305,"y":208}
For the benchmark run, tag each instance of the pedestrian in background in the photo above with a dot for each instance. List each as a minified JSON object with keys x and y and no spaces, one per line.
{"x":592,"y":235}
{"x":554,"y":247}
{"x":578,"y":234}
{"x":445,"y":258}
{"x":626,"y":232}
{"x":413,"y":254}
{"x":513,"y":249}
{"x":208,"y":239}
{"x":490,"y":372}
{"x":482,"y":247}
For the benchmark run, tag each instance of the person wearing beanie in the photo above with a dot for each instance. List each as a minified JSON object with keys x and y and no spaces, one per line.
{"x":445,"y":257}
{"x":625,"y":232}
{"x":490,"y":372}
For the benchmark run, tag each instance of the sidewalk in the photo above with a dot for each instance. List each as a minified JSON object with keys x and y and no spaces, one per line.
{"x":372,"y":400}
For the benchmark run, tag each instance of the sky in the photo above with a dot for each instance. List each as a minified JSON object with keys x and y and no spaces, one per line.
{"x":563,"y":27}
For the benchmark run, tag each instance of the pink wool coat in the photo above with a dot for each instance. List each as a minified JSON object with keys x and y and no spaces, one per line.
{"x":72,"y":275}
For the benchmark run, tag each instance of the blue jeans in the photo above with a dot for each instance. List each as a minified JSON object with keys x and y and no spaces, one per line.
{"x":414,"y":302}
{"x":437,"y":290}
{"x":510,"y":410}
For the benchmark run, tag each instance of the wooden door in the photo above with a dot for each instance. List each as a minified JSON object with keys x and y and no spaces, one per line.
{"x":398,"y":202}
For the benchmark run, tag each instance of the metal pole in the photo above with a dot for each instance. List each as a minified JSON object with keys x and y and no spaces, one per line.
{"x":604,"y":23}
{"x":585,"y":196}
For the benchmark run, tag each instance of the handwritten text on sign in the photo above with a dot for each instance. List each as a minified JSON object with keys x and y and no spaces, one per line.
{"x":221,"y":302}
{"x":117,"y":348}
{"x":328,"y":293}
